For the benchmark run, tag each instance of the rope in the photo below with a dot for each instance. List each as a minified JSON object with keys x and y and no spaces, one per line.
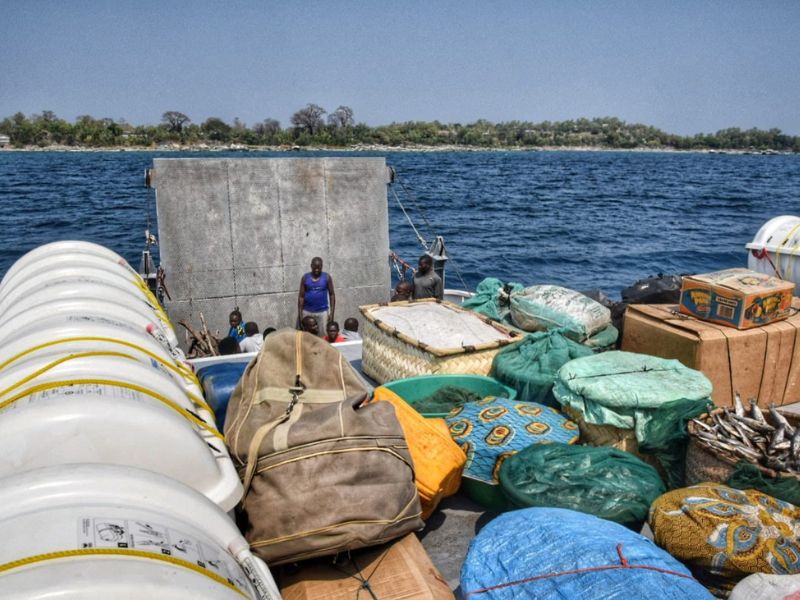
{"x":421,"y":239}
{"x":430,"y":227}
{"x":38,"y":558}
{"x":175,"y":368}
{"x":364,"y":581}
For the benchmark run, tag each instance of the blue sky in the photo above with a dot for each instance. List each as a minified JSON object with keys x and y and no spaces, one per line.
{"x":683,"y":66}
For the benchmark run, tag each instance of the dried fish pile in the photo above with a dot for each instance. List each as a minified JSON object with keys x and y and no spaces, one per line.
{"x":770,"y":441}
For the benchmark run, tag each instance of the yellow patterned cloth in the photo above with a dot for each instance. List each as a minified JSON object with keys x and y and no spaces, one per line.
{"x":723,"y":534}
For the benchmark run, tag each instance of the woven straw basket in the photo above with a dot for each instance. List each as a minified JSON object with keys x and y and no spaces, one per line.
{"x":610,"y":436}
{"x":389,"y":354}
{"x":704,"y":463}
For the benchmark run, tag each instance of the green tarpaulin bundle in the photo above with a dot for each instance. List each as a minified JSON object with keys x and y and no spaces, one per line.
{"x":651,"y":396}
{"x":605,"y":482}
{"x":492,"y":299}
{"x":530,"y":366}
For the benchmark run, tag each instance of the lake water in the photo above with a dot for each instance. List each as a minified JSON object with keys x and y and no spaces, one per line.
{"x":579,"y":219}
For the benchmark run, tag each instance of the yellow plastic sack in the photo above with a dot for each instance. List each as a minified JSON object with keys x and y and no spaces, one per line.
{"x":723,"y":534}
{"x":438,"y":461}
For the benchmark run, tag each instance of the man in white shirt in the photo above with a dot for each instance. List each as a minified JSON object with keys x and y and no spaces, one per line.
{"x":253,"y":341}
{"x":350,"y":331}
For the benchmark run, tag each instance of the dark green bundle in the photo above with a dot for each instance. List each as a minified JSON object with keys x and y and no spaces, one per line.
{"x":748,"y":477}
{"x":445,"y":399}
{"x":666,"y":435}
{"x":606,"y":482}
{"x":530,"y":366}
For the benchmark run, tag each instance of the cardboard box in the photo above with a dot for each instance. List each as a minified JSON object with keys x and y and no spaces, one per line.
{"x":762,"y":363}
{"x":736,"y":297}
{"x":401,"y":570}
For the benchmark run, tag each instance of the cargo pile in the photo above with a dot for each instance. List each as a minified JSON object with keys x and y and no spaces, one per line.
{"x":518,"y":402}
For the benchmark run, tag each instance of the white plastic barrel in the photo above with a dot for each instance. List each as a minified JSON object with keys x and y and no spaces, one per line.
{"x":90,"y":372}
{"x":775,"y":249}
{"x":56,"y":249}
{"x":23,"y":317}
{"x":99,"y":532}
{"x":61,"y":338}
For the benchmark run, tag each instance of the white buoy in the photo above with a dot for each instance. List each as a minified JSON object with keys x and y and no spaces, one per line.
{"x":775,"y":249}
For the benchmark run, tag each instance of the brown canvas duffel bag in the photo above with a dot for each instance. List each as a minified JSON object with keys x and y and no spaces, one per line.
{"x":322,"y":474}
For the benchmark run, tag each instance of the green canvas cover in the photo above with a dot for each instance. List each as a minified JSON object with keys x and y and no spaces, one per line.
{"x":621,"y":389}
{"x":530,"y":366}
{"x":491,"y":299}
{"x":605,"y":482}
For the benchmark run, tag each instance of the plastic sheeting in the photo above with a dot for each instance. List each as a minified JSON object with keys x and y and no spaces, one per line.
{"x":530,"y":366}
{"x":438,"y":326}
{"x":553,"y":553}
{"x":767,"y":587}
{"x":621,"y":389}
{"x":605,"y":482}
{"x":543,"y":307}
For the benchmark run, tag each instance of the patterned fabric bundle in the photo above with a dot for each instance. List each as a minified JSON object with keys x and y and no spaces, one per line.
{"x":724,"y":534}
{"x":493,"y":429}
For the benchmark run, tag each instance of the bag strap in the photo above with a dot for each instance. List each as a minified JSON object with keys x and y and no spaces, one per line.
{"x":263,"y":431}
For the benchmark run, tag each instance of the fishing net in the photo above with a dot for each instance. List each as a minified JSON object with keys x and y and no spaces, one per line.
{"x":437,"y":325}
{"x":666,"y":436}
{"x":747,"y":476}
{"x":530,"y":366}
{"x":605,"y":482}
{"x":445,"y":399}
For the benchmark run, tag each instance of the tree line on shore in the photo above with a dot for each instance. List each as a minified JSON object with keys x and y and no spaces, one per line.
{"x":314,"y":126}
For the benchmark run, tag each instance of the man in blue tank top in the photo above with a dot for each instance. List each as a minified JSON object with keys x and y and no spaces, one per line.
{"x":316,"y":298}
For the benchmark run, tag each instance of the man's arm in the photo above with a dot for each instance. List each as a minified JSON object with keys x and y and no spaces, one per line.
{"x":439,"y":289}
{"x":332,"y":296}
{"x":301,"y":300}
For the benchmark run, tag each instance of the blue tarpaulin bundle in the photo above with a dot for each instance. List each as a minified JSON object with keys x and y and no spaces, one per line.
{"x":554,"y":553}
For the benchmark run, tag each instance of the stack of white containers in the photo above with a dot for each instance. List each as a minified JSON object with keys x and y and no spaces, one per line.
{"x":115,"y":480}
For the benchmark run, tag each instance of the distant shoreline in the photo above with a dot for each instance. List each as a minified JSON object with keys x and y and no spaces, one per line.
{"x":381,"y":148}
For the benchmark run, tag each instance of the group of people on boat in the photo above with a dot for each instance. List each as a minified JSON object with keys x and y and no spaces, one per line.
{"x":316,"y":305}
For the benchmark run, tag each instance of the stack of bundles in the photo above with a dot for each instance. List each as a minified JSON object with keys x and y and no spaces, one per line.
{"x":605,"y":482}
{"x":723,"y":534}
{"x":406,"y":339}
{"x":322,"y":473}
{"x":636,"y":403}
{"x":543,"y":308}
{"x":553,"y":553}
{"x":438,"y":461}
{"x":767,"y":587}
{"x":530,"y":366}
{"x":746,"y":449}
{"x":493,"y":429}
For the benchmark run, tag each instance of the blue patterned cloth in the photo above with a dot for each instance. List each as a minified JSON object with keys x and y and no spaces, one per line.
{"x":491,"y":430}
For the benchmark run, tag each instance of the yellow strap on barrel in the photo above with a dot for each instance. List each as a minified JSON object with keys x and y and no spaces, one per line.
{"x":83,"y":552}
{"x":119,"y":384}
{"x":153,"y":301}
{"x":175,"y":368}
{"x":780,"y":246}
